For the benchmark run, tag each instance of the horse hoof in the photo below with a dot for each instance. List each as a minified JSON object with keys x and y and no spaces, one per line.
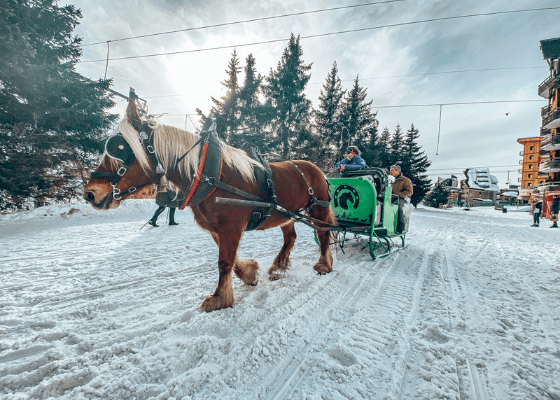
{"x":213,"y":303}
{"x":274,"y":276}
{"x":322,"y":269}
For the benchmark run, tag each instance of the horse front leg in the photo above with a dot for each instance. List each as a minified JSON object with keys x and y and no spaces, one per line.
{"x":245,"y":269}
{"x":282,"y":260}
{"x":223,"y":296}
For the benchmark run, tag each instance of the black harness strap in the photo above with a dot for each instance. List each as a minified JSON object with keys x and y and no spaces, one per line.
{"x":215,"y":182}
{"x":314,"y":200}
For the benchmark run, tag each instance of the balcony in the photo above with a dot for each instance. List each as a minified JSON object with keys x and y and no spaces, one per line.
{"x":550,"y":118}
{"x":550,"y":143}
{"x":550,"y":165}
{"x":548,"y":85}
{"x":545,"y":132}
{"x":526,"y":192}
{"x":548,"y":187}
{"x":521,"y":153}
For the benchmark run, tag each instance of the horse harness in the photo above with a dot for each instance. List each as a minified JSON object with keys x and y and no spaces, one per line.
{"x":207,"y":180}
{"x":118,"y":149}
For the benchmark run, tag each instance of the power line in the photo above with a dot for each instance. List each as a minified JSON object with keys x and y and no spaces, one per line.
{"x":244,"y":21}
{"x":460,"y":103}
{"x":327,"y":34}
{"x":439,"y":73}
{"x":387,"y":77}
{"x":492,"y":166}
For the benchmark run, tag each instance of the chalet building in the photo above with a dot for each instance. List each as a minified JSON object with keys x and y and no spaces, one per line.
{"x":530,"y":164}
{"x":476,"y":196}
{"x":549,"y":165}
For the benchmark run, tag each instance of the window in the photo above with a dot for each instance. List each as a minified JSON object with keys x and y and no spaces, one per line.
{"x":529,"y":184}
{"x":530,"y":166}
{"x":530,"y":175}
{"x":530,"y":157}
{"x":532,"y":148}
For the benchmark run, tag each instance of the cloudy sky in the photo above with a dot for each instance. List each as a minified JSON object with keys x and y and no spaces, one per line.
{"x":402,"y":62}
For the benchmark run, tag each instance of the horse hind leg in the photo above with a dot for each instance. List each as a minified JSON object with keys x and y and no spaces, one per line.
{"x":282,"y":261}
{"x":246,"y":270}
{"x":325,"y":263}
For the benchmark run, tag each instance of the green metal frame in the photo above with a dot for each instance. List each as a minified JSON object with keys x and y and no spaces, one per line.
{"x":355,"y":203}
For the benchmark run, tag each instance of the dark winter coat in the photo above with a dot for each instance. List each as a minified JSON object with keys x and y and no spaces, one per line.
{"x":354,"y":163}
{"x":402,"y":186}
{"x":538,"y":207}
{"x":555,"y":208}
{"x":167,"y":199}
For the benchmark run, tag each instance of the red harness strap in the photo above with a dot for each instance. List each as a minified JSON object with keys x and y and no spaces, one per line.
{"x":199,"y":176}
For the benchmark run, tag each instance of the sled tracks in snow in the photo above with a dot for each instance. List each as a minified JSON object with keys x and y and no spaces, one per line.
{"x":376,"y":312}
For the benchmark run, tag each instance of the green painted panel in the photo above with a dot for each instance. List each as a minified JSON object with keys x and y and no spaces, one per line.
{"x":389,"y":210}
{"x":353,"y":199}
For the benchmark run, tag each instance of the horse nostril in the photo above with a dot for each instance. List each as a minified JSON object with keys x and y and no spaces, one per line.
{"x":89,"y":197}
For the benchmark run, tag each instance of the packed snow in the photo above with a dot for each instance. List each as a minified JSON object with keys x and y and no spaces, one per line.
{"x":93,"y":307}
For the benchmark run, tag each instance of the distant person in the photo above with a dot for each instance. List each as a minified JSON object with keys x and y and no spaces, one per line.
{"x":554,"y":209}
{"x":352,"y":160}
{"x":537,"y":212}
{"x":165,"y":197}
{"x":402,"y":190}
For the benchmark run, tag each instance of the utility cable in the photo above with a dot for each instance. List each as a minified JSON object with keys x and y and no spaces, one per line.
{"x":461,"y":103}
{"x":328,"y":34}
{"x":247,"y":21}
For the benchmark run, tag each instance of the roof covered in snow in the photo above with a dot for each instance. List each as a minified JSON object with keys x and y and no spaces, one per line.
{"x":480,"y":178}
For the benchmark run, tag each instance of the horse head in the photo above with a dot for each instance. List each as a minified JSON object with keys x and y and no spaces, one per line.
{"x":126,"y":164}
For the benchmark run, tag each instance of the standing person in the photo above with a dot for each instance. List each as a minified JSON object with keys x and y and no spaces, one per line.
{"x":351,"y":161}
{"x":402,"y":190}
{"x":537,"y":211}
{"x":165,"y":197}
{"x":554,"y":209}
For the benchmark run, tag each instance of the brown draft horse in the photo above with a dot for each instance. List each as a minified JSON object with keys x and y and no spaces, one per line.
{"x":226,"y":223}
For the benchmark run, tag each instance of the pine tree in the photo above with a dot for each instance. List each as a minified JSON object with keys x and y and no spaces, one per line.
{"x":396,"y":155}
{"x":414,"y":165}
{"x":289,"y":109}
{"x":359,"y":122}
{"x":384,"y":150}
{"x":250,"y":109}
{"x":327,"y":117}
{"x":438,"y":195}
{"x":51,"y":117}
{"x":226,"y":110}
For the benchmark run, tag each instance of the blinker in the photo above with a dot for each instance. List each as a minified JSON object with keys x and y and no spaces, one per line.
{"x":118,"y":148}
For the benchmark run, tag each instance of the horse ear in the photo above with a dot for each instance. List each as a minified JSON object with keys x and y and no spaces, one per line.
{"x":132,"y":115}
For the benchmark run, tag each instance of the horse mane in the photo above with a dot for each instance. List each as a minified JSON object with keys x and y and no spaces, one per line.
{"x":172,"y":143}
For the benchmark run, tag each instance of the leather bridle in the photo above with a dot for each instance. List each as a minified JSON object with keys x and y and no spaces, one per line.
{"x":127,"y":158}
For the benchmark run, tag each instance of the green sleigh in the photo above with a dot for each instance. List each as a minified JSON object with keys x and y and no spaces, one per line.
{"x":362,"y":205}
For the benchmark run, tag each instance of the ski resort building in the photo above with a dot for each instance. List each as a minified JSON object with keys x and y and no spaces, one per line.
{"x":549,"y":166}
{"x":530,"y":164}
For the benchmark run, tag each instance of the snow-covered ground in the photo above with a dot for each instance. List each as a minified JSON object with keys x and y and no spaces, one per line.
{"x":92,"y":307}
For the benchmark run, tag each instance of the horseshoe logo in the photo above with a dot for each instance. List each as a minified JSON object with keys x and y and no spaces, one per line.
{"x":346,"y":197}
